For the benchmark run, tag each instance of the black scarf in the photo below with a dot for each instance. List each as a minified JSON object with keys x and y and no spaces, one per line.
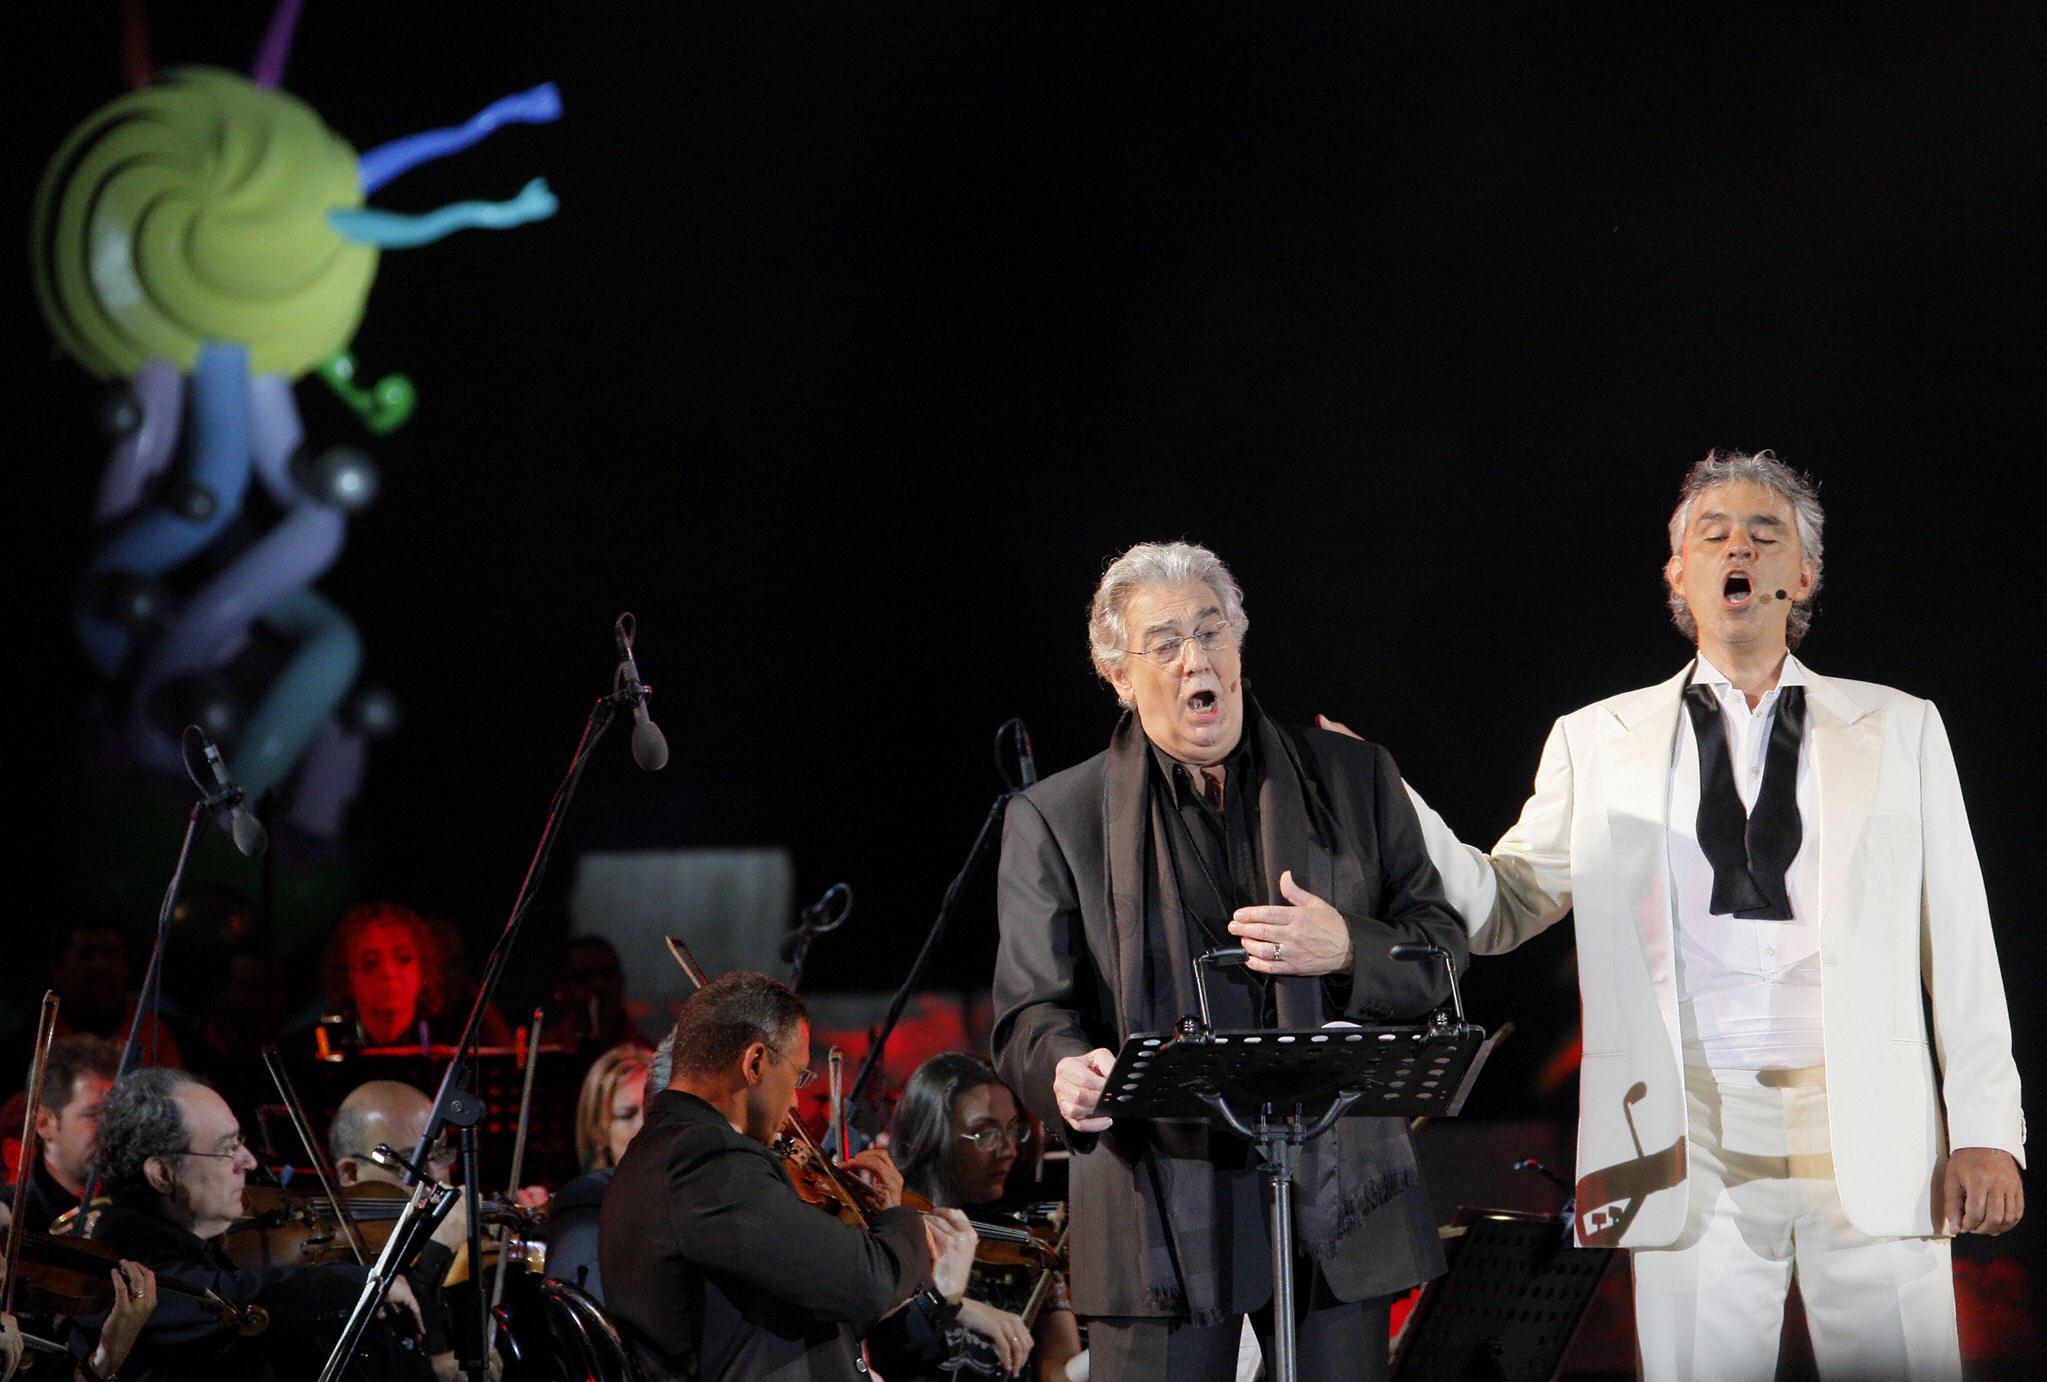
{"x":1340,"y":1180}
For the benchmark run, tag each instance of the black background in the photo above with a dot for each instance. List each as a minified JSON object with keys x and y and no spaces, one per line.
{"x":865,"y":333}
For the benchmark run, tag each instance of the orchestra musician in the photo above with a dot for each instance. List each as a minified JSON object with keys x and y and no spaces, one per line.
{"x":609,"y":1113}
{"x":395,"y":1115}
{"x":715,"y":1269}
{"x":388,"y":975}
{"x":955,"y":1135}
{"x":172,"y":1159}
{"x":80,"y":1069}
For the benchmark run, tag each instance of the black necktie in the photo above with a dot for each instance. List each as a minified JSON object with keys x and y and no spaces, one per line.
{"x":1749,"y":851}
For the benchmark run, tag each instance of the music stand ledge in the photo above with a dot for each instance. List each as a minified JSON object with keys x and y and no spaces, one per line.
{"x":1278,"y":1089}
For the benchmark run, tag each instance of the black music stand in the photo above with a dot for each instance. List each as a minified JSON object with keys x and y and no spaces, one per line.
{"x":1510,"y":1306}
{"x":1278,"y":1089}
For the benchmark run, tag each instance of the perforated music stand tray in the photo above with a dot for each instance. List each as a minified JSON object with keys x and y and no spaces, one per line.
{"x":1510,"y":1305}
{"x":1278,"y":1089}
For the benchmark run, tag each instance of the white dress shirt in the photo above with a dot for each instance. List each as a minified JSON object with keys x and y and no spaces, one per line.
{"x":1748,"y":991}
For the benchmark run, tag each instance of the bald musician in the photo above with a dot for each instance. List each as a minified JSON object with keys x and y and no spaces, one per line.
{"x":396,"y":1115}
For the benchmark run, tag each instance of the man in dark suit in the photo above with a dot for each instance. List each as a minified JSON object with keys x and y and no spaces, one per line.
{"x":714,"y":1268}
{"x":1206,"y":824}
{"x":172,"y":1159}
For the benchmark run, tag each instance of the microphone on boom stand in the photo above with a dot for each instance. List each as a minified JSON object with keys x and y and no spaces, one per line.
{"x":650,"y":745}
{"x":221,"y":793}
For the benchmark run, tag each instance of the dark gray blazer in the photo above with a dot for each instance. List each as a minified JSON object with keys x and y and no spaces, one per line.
{"x":1053,"y":1000}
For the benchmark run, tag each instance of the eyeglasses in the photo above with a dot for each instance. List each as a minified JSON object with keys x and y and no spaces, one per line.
{"x":235,"y":1148}
{"x":804,"y":1074}
{"x":1210,"y":639}
{"x":988,"y":1139}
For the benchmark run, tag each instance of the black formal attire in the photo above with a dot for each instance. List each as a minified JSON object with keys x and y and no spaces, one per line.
{"x":715,"y":1269}
{"x":307,"y":1307}
{"x":45,"y":1200}
{"x":1114,"y":875}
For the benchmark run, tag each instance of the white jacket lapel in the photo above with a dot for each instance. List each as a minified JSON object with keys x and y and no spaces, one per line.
{"x":1846,"y":739}
{"x":1635,"y":745}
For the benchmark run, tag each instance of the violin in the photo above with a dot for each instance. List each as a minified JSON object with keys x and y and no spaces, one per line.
{"x":71,"y":1276}
{"x":819,"y":1183}
{"x":285,"y":1229}
{"x":1018,"y":1277}
{"x":280,"y":1228}
{"x":1036,"y":1246}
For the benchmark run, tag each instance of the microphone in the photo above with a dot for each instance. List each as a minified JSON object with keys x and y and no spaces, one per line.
{"x":1770,"y":595}
{"x":650,"y":745}
{"x":208,"y":771}
{"x":1012,"y":731}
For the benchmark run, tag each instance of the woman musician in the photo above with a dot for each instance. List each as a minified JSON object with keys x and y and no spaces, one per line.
{"x":956,"y":1133}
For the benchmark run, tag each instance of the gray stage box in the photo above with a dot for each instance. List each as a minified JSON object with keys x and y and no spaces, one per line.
{"x":732,"y":905}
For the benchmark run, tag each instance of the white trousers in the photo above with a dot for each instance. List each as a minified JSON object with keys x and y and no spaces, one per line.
{"x":1760,"y":1168}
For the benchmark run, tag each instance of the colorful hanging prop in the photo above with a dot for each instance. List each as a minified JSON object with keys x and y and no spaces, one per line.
{"x":202,"y":242}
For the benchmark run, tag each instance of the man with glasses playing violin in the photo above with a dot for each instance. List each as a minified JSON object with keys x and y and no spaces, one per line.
{"x":172,"y":1159}
{"x":714,"y":1267}
{"x":1206,"y":825}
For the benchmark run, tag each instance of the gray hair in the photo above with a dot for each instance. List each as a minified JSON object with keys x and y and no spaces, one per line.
{"x":1797,"y":489}
{"x":142,"y":1119}
{"x":1154,"y":563}
{"x":661,"y":1069}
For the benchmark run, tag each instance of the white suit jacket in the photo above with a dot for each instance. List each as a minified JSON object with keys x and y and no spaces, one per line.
{"x":1902,"y":911}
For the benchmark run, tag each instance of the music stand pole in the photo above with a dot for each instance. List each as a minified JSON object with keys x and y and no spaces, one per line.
{"x":1194,"y":1073}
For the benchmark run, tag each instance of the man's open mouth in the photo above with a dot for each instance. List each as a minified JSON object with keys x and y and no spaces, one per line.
{"x":1201,"y":702}
{"x":1737,"y":589}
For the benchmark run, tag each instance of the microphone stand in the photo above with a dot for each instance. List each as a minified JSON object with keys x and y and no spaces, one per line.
{"x":456,"y":1105}
{"x":149,"y":998}
{"x":871,"y":1063}
{"x":828,"y":913}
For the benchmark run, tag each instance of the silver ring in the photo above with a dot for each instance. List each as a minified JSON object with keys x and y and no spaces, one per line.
{"x":1276,"y":948}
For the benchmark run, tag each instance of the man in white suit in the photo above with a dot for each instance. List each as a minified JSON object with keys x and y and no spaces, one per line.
{"x":1768,"y":868}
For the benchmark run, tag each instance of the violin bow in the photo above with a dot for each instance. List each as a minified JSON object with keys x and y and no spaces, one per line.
{"x":46,"y":1032}
{"x":330,"y":1180}
{"x":497,"y":1287}
{"x":1044,"y":1282}
{"x":679,"y":948}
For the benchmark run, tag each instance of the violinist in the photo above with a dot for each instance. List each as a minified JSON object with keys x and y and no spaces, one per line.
{"x":956,"y":1133}
{"x":172,"y":1159}
{"x":715,"y":1269}
{"x":396,"y":1115}
{"x":134,"y":1298}
{"x":80,"y":1070}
